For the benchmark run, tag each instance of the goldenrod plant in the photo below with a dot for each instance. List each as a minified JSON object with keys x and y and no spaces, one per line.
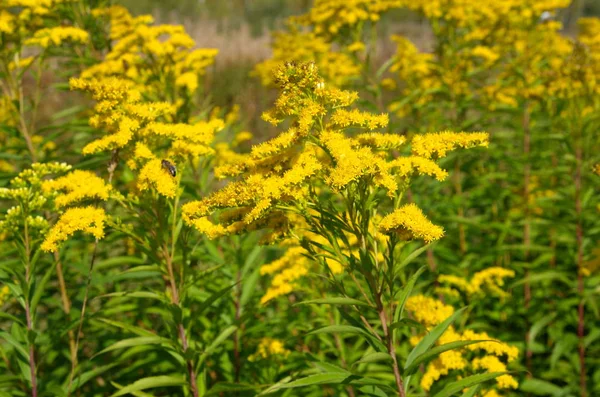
{"x":420,"y":222}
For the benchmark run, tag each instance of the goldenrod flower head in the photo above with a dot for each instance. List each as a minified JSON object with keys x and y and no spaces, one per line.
{"x":492,"y":279}
{"x":410,"y":223}
{"x":78,"y":186}
{"x":381,"y":141}
{"x":268,"y":348}
{"x":428,"y":311}
{"x":405,"y":167}
{"x":26,"y":190}
{"x":495,"y":347}
{"x":86,"y":219}
{"x":493,"y":364}
{"x":329,"y":17}
{"x":354,"y":117}
{"x":351,"y":164}
{"x":153,"y":175}
{"x":4,"y":294}
{"x":438,"y":144}
{"x":57,"y":35}
{"x":337,"y":68}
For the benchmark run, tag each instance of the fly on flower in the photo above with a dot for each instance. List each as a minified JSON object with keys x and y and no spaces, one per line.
{"x":167,"y":165}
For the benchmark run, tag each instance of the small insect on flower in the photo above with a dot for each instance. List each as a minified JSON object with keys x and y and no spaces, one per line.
{"x":167,"y":165}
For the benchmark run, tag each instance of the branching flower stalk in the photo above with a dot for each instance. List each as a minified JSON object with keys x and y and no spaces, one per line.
{"x":28,"y":313}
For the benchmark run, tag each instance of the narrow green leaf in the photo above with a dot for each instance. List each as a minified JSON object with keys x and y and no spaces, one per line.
{"x":139,"y":341}
{"x":429,"y":339}
{"x":373,"y":357}
{"x":412,"y":256}
{"x":131,"y":328}
{"x":436,"y":351}
{"x":87,"y":376}
{"x":218,"y":340}
{"x":11,"y":317}
{"x":540,"y":387}
{"x":334,"y":301}
{"x":406,"y":293}
{"x":15,"y":343}
{"x":226,"y":387}
{"x":455,"y":387}
{"x":347,"y":329}
{"x":212,"y":299}
{"x":135,"y":294}
{"x":150,"y":383}
{"x":39,"y":288}
{"x":471,"y":391}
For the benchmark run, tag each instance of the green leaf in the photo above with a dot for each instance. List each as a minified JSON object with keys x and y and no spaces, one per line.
{"x":429,"y":339}
{"x":436,"y":351}
{"x":471,"y":391}
{"x":212,"y":299}
{"x":540,"y":387}
{"x":131,"y":328}
{"x":412,"y":256}
{"x":15,"y":343}
{"x":326,"y":378}
{"x":334,"y":301}
{"x":218,"y":340}
{"x":11,"y":317}
{"x":150,"y":383}
{"x":227,"y":387}
{"x":551,"y":275}
{"x":347,"y":329}
{"x":373,"y":357}
{"x":39,"y":288}
{"x":455,"y":387}
{"x":538,"y":326}
{"x":406,"y":293}
{"x":135,"y":294}
{"x":139,"y":341}
{"x":87,"y":376}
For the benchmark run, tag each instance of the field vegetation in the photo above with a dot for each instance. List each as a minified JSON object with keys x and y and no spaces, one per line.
{"x":336,"y":219}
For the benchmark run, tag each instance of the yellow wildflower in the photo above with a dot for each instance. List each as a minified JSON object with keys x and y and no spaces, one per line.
{"x":354,"y":117}
{"x":438,"y":144}
{"x":409,"y":222}
{"x":154,"y":175}
{"x":4,"y":294}
{"x":78,"y":186}
{"x":381,"y":141}
{"x":269,"y":347}
{"x":493,"y":364}
{"x":57,"y":35}
{"x":428,"y":311}
{"x":86,"y":219}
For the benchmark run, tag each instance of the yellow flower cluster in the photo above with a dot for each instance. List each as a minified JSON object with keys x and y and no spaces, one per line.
{"x":154,"y":175}
{"x":430,"y":312}
{"x":437,"y":145}
{"x":410,"y":223}
{"x":141,"y":50}
{"x":4,"y":294}
{"x":488,"y":281}
{"x":290,"y":267}
{"x":57,"y":35}
{"x":78,"y":186}
{"x":26,"y":190}
{"x":269,"y":348}
{"x":493,"y":364}
{"x":329,"y":17}
{"x":314,"y":151}
{"x":85,"y":219}
{"x":337,"y":68}
{"x":34,"y":23}
{"x":128,"y":118}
